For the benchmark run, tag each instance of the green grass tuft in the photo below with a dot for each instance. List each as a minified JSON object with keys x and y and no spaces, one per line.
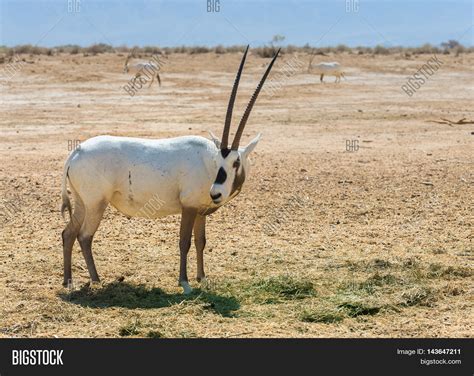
{"x":377,"y":280}
{"x":381,"y":264}
{"x":418,"y":295}
{"x":326,"y":317}
{"x":154,"y":334}
{"x":130,"y":329}
{"x":439,"y":271}
{"x":275,"y":289}
{"x":354,"y":309}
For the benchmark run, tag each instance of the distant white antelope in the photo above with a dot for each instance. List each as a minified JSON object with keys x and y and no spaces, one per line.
{"x":190,"y":175}
{"x":329,"y":69}
{"x":142,"y":68}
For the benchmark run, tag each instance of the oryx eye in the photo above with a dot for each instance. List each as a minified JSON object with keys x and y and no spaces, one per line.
{"x":237,"y":163}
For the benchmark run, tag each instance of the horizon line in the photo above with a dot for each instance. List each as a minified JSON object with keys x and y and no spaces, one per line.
{"x":306,"y":45}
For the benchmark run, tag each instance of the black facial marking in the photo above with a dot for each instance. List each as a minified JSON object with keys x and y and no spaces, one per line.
{"x":221,"y":176}
{"x":225,"y":152}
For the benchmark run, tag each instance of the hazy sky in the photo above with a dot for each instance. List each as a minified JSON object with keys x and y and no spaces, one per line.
{"x":187,"y":22}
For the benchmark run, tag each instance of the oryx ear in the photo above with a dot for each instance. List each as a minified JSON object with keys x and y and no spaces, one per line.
{"x":214,"y":139}
{"x":249,"y":148}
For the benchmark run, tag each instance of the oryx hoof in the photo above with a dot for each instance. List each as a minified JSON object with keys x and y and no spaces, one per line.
{"x":68,"y":283}
{"x":186,"y":288}
{"x":94,"y":283}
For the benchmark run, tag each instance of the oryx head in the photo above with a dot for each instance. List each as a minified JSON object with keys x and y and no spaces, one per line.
{"x":233,"y":162}
{"x":127,"y":60}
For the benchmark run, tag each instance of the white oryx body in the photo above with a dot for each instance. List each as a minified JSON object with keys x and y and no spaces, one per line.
{"x":134,"y":68}
{"x":130,"y":172}
{"x":329,"y":69}
{"x":142,"y":68}
{"x":189,"y":175}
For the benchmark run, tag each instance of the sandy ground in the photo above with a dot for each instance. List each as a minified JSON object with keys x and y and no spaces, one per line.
{"x":374,"y":242}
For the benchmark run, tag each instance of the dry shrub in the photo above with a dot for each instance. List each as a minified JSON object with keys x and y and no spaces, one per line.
{"x":220,"y":49}
{"x":381,"y":50}
{"x":426,"y":49}
{"x":29,"y":49}
{"x":342,"y":48}
{"x":266,"y":51}
{"x":99,"y":49}
{"x":198,"y":50}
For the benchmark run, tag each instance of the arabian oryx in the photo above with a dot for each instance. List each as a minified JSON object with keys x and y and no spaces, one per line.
{"x":143,"y":68}
{"x":190,"y":175}
{"x":329,"y":69}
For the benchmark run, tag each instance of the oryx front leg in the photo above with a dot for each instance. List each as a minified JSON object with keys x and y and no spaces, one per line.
{"x":137,"y":77}
{"x":92,"y":219}
{"x":187,"y":221}
{"x":200,"y":243}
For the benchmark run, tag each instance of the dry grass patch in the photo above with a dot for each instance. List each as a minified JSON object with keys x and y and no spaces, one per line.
{"x":278,"y":289}
{"x":400,"y":286}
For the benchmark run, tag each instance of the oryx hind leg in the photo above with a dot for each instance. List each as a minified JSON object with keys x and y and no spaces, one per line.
{"x":93,"y":216}
{"x":152,"y":79}
{"x":137,"y":77}
{"x":69,"y":236}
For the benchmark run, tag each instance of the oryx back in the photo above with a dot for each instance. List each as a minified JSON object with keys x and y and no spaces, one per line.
{"x":144,"y":178}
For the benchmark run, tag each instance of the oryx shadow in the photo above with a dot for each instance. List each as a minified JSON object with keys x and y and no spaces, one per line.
{"x":127,"y":295}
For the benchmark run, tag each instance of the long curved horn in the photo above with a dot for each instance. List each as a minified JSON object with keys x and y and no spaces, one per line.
{"x":243,"y":121}
{"x":230,"y":107}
